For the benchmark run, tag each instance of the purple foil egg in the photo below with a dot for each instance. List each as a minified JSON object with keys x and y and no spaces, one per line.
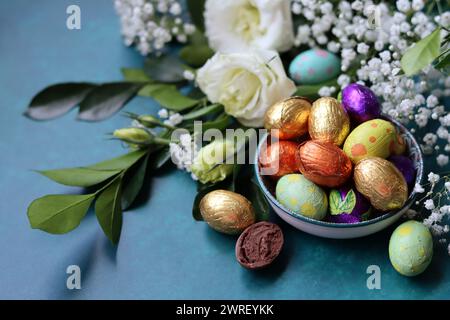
{"x":406,"y":166}
{"x":347,"y":205}
{"x":360,"y":102}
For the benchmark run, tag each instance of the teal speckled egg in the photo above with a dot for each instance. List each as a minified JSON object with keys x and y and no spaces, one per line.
{"x":411,"y":248}
{"x":302,"y":196}
{"x":314,"y":66}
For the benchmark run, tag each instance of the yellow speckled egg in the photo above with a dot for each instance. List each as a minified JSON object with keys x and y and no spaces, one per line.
{"x":227,"y":212}
{"x":288,"y":119}
{"x":373,"y":138}
{"x":302,"y":196}
{"x":411,"y":248}
{"x":328,"y":121}
{"x":381,"y":182}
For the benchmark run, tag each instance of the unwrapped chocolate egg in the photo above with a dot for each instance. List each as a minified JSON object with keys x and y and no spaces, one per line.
{"x":227,"y":212}
{"x":347,"y":205}
{"x":411,"y":248}
{"x":324,"y":163}
{"x":314,"y":66}
{"x":302,"y":196}
{"x":288,"y":119}
{"x":381,"y":182}
{"x":360,"y":102}
{"x":328,"y":121}
{"x":374,"y":138}
{"x":406,"y":166}
{"x":278,"y":159}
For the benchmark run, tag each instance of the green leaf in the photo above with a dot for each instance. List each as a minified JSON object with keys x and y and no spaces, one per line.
{"x":106,"y":99}
{"x":259,"y":202}
{"x":79,"y":177}
{"x":443,"y":63}
{"x":134,"y":184}
{"x":169,"y":97}
{"x":59,"y":214}
{"x":56,"y":100}
{"x":335,"y":199}
{"x":203,"y":111}
{"x":166,"y":68}
{"x":196,"y":9}
{"x":422,"y":53}
{"x":220,"y":123}
{"x":196,"y":55}
{"x":135,"y":75}
{"x":119,"y":163}
{"x":160,"y":158}
{"x":348,"y":203}
{"x":108,"y":209}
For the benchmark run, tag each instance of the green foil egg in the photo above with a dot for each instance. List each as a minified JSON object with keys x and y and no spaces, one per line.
{"x":373,"y":138}
{"x":302,"y":196}
{"x":411,"y":248}
{"x":314,"y":66}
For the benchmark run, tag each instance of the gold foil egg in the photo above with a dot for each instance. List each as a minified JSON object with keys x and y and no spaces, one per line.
{"x":381,"y":182}
{"x":227,"y":212}
{"x":289,"y":117}
{"x":328,"y":121}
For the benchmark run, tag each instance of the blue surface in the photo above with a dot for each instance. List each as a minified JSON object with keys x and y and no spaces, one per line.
{"x":163,"y":253}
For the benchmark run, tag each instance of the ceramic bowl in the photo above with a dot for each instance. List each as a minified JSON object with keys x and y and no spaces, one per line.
{"x":343,"y":230}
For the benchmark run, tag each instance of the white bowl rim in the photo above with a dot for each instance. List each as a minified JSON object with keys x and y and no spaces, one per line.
{"x":387,"y":215}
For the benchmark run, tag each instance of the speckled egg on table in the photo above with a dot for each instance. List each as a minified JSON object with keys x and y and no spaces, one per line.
{"x":411,"y":248}
{"x":314,"y":66}
{"x":302,"y":196}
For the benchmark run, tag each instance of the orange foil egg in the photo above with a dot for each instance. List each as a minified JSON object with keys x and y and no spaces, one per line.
{"x":324,"y":163}
{"x":279,"y":159}
{"x":288,"y":119}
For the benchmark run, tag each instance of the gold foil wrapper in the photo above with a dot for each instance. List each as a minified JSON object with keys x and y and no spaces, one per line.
{"x":289,"y":117}
{"x":226,"y":211}
{"x":328,"y":121}
{"x":324,"y":163}
{"x":381,"y":182}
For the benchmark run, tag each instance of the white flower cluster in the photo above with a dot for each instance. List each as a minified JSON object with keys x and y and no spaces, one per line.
{"x":184,"y":152}
{"x":151,"y":24}
{"x":439,"y":217}
{"x":371,"y":39}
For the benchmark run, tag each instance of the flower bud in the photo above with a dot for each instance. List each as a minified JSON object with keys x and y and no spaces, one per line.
{"x":134,"y":135}
{"x":210,"y":163}
{"x":148,"y":121}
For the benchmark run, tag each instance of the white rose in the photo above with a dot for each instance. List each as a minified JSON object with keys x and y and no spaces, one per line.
{"x":247,"y":84}
{"x":237,"y":25}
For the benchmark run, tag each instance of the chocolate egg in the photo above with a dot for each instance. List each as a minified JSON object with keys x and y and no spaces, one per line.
{"x":406,"y":166}
{"x":411,"y":248}
{"x":399,"y":145}
{"x":302,"y":196}
{"x":374,"y":138}
{"x":324,"y":163}
{"x":347,"y":205}
{"x":227,"y":212}
{"x":360,"y":103}
{"x":314,"y":66}
{"x":288,"y":119}
{"x":279,"y":159}
{"x":381,"y":182}
{"x":259,"y":245}
{"x":328,"y":121}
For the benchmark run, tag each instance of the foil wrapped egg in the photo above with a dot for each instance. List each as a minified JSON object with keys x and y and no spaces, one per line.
{"x":399,"y":145}
{"x":227,"y":212}
{"x":373,"y":138}
{"x":347,"y":205}
{"x":328,"y":121}
{"x":360,"y":102}
{"x":302,"y":196}
{"x":324,"y":163}
{"x":278,"y":159}
{"x":411,"y":248}
{"x":381,"y":182}
{"x":406,"y":166}
{"x":288,"y":119}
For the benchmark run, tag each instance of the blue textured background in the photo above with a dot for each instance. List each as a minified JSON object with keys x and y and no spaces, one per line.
{"x":163,"y":253}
